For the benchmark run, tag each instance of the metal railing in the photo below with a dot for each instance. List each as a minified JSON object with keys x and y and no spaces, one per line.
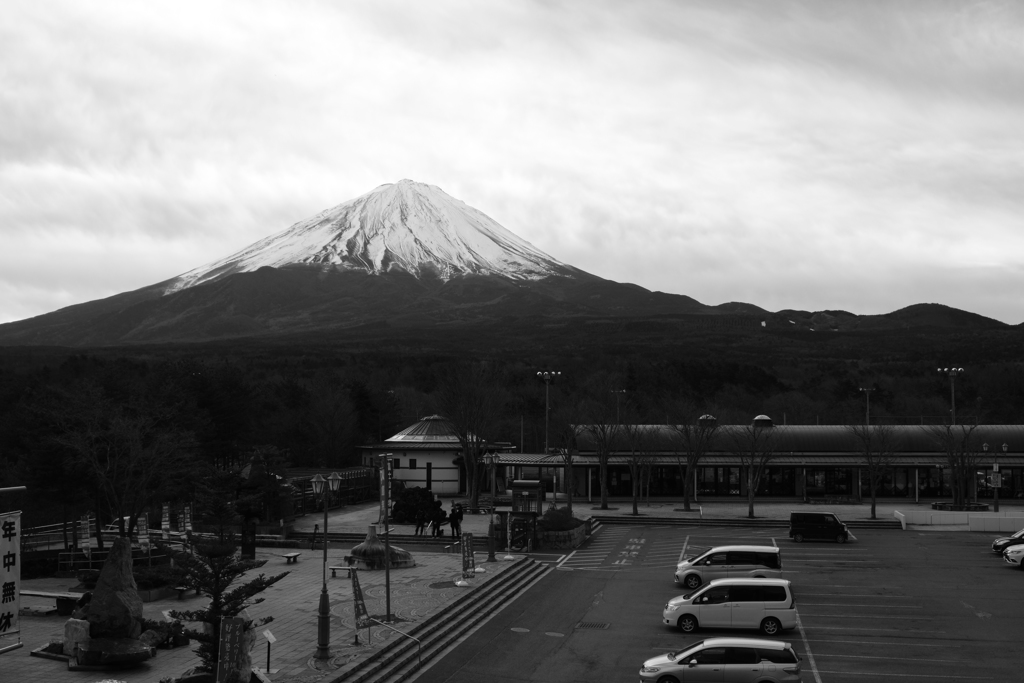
{"x":419,"y":656}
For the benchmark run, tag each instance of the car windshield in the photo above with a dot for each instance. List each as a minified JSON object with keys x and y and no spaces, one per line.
{"x":1018,"y":534}
{"x":685,"y":651}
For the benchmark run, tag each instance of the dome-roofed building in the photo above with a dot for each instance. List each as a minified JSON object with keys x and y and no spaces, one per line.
{"x":427,"y":454}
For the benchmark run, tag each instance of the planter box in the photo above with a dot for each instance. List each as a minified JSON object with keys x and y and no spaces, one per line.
{"x":563,"y":539}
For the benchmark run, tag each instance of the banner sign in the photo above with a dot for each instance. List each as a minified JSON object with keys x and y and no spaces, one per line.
{"x":187,"y":512}
{"x":468,"y":561}
{"x":165,"y":522}
{"x":357,"y":597}
{"x":10,"y":573}
{"x":231,"y":631}
{"x":83,"y":535}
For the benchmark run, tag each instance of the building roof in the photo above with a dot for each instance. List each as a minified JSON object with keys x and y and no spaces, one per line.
{"x":839,"y":439}
{"x":431,"y":429}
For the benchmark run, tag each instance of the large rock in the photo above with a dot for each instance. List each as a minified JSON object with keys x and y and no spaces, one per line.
{"x":116,"y":608}
{"x":76,"y":631}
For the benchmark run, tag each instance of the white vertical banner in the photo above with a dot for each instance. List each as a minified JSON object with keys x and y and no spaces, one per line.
{"x":188,"y":517}
{"x":143,"y":530}
{"x":10,"y":574}
{"x":165,"y":522}
{"x":84,"y":537}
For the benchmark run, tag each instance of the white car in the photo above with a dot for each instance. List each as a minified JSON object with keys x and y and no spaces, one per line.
{"x":764,"y":604}
{"x":1014,"y":554}
{"x":738,"y":660}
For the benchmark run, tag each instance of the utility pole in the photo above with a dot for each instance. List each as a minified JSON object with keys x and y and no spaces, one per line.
{"x":952,"y":372}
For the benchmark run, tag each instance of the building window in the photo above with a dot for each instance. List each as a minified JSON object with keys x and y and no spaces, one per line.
{"x":396,"y":464}
{"x":412,"y":463}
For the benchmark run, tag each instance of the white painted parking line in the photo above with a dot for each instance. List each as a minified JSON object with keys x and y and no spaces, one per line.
{"x":879,"y":643}
{"x":851,"y":604}
{"x":857,"y":595}
{"x":892,"y":659}
{"x":858,"y":616}
{"x":682,"y":554}
{"x":872,"y":629}
{"x":807,"y":648}
{"x":873,"y":674}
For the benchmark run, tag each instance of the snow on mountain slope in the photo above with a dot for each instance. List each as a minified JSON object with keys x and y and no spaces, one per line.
{"x":406,"y":226}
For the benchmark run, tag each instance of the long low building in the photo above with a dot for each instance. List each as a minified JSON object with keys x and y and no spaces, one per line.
{"x":806,"y":462}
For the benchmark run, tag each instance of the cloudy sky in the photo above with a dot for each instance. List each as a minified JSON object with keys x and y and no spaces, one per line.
{"x":813,"y":155}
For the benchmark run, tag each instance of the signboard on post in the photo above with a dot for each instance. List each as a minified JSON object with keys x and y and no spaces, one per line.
{"x":229,"y":647}
{"x":360,"y":605}
{"x":10,"y":576}
{"x":468,"y":561}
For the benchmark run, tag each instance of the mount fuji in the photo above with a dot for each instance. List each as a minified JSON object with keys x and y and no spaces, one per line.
{"x":405,"y":227}
{"x":407,"y":265}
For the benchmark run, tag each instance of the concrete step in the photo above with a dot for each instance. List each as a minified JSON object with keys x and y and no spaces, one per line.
{"x":396,"y":660}
{"x":735,"y":522}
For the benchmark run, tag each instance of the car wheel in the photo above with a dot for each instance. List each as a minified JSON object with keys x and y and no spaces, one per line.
{"x":841,"y":538}
{"x":799,"y":538}
{"x":692,"y":581}
{"x":668,"y":679}
{"x":771,"y":626}
{"x":687,"y":623}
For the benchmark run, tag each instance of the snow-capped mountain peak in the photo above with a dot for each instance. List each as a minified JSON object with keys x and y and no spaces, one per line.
{"x":404,"y":226}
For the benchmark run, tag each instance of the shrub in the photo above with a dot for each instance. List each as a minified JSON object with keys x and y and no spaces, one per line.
{"x":148,"y":578}
{"x":558,"y":519}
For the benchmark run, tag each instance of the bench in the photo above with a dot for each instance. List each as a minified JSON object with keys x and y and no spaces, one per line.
{"x":334,"y":571}
{"x":184,"y":589}
{"x":291,"y":558}
{"x":65,"y":601}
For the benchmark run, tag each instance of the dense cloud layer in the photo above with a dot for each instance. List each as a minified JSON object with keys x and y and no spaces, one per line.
{"x":811,"y":155}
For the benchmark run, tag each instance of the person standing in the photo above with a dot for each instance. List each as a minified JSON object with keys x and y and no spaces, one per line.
{"x":437,"y":519}
{"x":456,"y":520}
{"x":316,"y":531}
{"x":420,"y":518}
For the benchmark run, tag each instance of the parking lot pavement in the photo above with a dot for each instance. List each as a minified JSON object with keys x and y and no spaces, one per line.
{"x":920,"y":606}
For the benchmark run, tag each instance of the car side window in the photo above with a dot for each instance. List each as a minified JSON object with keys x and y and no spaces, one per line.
{"x":738,"y":557}
{"x":711,"y":655}
{"x":716,"y":595}
{"x":777,"y":656}
{"x":741,"y":655}
{"x":745,"y":594}
{"x":773,"y":593}
{"x":770,"y":560}
{"x":717,"y":559}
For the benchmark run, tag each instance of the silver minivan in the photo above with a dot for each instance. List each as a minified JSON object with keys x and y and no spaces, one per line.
{"x":765,"y":604}
{"x":739,"y":561}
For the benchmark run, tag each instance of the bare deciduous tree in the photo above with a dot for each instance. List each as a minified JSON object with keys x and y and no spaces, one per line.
{"x":755,"y":445}
{"x":962,"y":450}
{"x":639,"y":441}
{"x":691,"y":442}
{"x":603,"y":428}
{"x":877,"y":445}
{"x":471,"y":398}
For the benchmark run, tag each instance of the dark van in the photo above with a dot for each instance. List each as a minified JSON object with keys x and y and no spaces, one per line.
{"x":823,"y":526}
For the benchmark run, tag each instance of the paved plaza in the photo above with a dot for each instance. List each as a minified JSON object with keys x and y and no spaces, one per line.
{"x":415,"y":593}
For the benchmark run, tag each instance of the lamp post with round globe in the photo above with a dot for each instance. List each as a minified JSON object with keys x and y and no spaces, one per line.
{"x":323,"y":488}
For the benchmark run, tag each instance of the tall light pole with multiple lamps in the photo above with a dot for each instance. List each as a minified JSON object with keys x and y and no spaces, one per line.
{"x":546,"y":377}
{"x":491,"y":460}
{"x":867,"y":405}
{"x":953,"y":373}
{"x":324,"y":488}
{"x":618,"y":395}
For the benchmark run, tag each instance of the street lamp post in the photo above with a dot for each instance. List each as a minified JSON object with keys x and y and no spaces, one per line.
{"x":867,"y":404}
{"x":546,"y":377}
{"x":323,"y":488}
{"x":996,"y":477}
{"x":491,"y":460}
{"x":952,"y":372}
{"x":618,"y":395}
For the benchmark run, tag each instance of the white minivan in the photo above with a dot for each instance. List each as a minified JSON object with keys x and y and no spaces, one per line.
{"x":765,"y":604}
{"x":740,"y":561}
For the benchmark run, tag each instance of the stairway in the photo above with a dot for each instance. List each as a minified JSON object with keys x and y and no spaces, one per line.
{"x":401,"y":656}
